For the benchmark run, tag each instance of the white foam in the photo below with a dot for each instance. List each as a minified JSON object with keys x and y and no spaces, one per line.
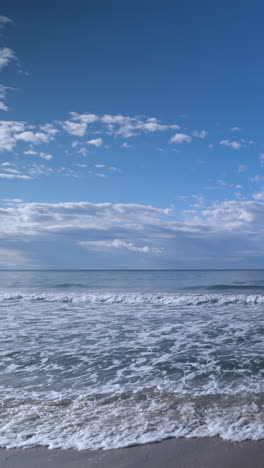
{"x":114,"y":422}
{"x":103,"y":376}
{"x":138,"y":298}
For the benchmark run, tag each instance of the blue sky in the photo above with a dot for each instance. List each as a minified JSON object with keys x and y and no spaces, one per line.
{"x":131,"y":134}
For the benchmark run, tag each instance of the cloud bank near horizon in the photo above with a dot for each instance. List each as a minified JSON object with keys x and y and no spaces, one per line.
{"x":136,"y":231}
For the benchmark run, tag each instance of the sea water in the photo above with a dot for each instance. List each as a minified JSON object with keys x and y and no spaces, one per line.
{"x":106,"y":359}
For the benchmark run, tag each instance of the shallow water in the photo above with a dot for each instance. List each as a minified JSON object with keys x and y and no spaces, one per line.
{"x":106,"y":359}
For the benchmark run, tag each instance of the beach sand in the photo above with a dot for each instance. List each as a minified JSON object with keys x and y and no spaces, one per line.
{"x":172,"y":453}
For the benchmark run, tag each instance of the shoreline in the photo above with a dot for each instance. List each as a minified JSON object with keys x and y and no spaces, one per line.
{"x":171,"y":453}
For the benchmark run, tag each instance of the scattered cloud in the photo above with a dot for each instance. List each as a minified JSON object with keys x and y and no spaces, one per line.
{"x":235,"y":129}
{"x":261,"y":158}
{"x":202,"y":134}
{"x":257,"y":178}
{"x":242,"y":168}
{"x":83,"y":151}
{"x":15,"y":176}
{"x":31,"y":152}
{"x":116,"y":125}
{"x":181,"y":138}
{"x":235,"y":145}
{"x":12,"y":132}
{"x":37,"y":170}
{"x":12,"y":171}
{"x":78,"y":124}
{"x":8,"y":130}
{"x":259,"y":196}
{"x":46,"y":156}
{"x":4,"y":20}
{"x":6,"y":56}
{"x":119,"y":244}
{"x":49,"y":129}
{"x":30,"y":137}
{"x":3,"y":94}
{"x":95,"y":142}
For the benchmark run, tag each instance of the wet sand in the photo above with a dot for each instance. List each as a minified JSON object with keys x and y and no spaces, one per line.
{"x":172,"y":453}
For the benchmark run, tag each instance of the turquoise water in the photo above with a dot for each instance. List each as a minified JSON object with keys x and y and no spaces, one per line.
{"x":106,"y":359}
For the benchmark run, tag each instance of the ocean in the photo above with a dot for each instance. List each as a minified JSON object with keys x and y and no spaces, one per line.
{"x":107,"y":359}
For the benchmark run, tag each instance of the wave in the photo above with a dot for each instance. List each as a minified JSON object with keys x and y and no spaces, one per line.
{"x":137,"y":298}
{"x":70,"y":285}
{"x":236,"y":286}
{"x":108,"y":421}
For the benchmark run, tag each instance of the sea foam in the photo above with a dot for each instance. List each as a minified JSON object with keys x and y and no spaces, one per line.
{"x":180,"y":299}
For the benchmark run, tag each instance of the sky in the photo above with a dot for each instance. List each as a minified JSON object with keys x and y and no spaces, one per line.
{"x":131,"y":134}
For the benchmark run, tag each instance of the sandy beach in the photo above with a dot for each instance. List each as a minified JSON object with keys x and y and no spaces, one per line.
{"x":172,"y":453}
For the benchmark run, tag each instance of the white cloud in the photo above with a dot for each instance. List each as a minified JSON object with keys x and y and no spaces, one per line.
{"x":119,"y":244}
{"x":235,"y":129}
{"x":3,"y":106}
{"x":117,"y":125}
{"x":31,"y":152}
{"x":15,"y":176}
{"x":37,"y":170}
{"x":232,"y":144}
{"x":261,"y":158}
{"x":83,"y":151}
{"x":77,"y":126}
{"x":211,"y":232}
{"x":12,"y":171}
{"x":46,"y":156}
{"x":12,"y":200}
{"x":242,"y":168}
{"x":30,"y":137}
{"x":153,"y":125}
{"x":8,"y":129}
{"x":95,"y":142}
{"x":257,"y":178}
{"x":126,"y":145}
{"x":5,"y":20}
{"x":49,"y":129}
{"x":6,"y":56}
{"x":109,"y":168}
{"x":37,"y":218}
{"x":3,"y":93}
{"x":259,"y":196}
{"x":13,"y":132}
{"x":202,"y":134}
{"x":181,"y":138}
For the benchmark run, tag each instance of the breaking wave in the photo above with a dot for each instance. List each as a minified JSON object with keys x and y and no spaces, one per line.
{"x":138,"y":298}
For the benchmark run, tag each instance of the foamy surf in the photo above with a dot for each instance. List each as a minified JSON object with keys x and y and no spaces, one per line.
{"x":110,"y":421}
{"x":112,"y":359}
{"x":180,"y":299}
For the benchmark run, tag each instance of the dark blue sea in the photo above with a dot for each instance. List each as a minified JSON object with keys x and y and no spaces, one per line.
{"x":106,"y":359}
